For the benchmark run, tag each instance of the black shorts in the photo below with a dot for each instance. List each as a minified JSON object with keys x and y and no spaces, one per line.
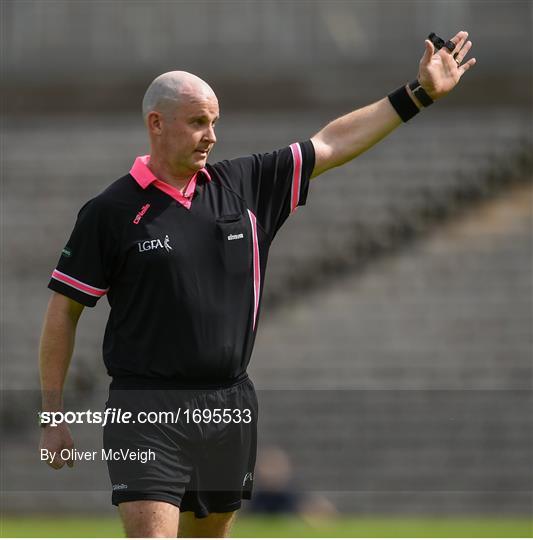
{"x":193,"y":448}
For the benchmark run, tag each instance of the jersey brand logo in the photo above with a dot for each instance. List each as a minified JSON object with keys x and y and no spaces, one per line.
{"x":141,"y":213}
{"x":148,"y":245}
{"x":117,"y":487}
{"x":235,"y":236}
{"x":249,"y":476}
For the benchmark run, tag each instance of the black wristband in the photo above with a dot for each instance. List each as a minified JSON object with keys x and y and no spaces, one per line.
{"x":403,"y":104}
{"x":420,"y":93}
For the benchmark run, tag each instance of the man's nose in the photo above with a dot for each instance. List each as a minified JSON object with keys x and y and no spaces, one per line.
{"x":210,"y":135}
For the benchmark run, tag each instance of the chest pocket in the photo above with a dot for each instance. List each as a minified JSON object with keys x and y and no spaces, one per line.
{"x":234,"y":238}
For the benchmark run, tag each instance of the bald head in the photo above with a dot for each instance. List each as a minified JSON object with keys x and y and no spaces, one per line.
{"x":167,"y":91}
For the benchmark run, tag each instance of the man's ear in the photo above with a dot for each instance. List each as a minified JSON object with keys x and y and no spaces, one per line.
{"x":154,"y":122}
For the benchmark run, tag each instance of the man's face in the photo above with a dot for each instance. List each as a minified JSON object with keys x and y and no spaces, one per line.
{"x":187,"y":133}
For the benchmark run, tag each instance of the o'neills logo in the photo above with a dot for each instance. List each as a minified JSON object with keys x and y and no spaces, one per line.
{"x":141,"y":213}
{"x":148,"y":245}
{"x":248,"y":477}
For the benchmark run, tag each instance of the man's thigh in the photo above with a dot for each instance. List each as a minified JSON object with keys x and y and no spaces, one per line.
{"x":149,"y":519}
{"x":215,"y":525}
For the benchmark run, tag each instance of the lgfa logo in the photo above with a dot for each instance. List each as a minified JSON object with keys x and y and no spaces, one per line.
{"x":148,"y":245}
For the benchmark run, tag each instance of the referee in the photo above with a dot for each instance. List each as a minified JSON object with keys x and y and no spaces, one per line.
{"x":180,"y":248}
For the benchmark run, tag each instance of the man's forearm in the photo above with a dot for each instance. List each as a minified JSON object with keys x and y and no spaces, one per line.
{"x":55,"y":352}
{"x":349,"y":136}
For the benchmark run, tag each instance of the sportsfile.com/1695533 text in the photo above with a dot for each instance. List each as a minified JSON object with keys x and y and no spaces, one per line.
{"x":118,"y":416}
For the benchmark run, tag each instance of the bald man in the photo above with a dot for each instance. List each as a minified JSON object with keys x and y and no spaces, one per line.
{"x":180,"y":248}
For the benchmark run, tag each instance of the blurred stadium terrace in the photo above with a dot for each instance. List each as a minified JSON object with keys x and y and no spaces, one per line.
{"x":394,"y":354}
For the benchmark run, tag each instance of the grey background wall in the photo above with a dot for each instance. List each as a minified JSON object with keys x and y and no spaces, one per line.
{"x":397,"y":303}
{"x":95,"y":54}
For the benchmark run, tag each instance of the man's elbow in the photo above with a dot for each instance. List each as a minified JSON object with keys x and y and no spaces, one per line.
{"x":325,"y":157}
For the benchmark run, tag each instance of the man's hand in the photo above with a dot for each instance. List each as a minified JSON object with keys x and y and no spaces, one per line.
{"x":439,"y":73}
{"x":54,"y":439}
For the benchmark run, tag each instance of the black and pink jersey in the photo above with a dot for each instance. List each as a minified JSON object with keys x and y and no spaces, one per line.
{"x":183,"y":273}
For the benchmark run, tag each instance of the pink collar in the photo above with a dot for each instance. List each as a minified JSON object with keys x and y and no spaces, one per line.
{"x":144,"y":177}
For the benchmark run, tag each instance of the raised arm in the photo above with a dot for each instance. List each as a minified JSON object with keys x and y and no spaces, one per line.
{"x":348,"y":136}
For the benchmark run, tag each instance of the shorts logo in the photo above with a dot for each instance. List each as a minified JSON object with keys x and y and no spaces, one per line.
{"x":148,"y":245}
{"x":249,"y":476}
{"x":235,"y":236}
{"x":117,"y":487}
{"x":141,"y":213}
{"x":66,"y":252}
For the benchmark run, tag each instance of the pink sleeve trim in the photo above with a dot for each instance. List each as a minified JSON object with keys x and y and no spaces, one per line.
{"x":257,"y":267}
{"x":296,"y":175}
{"x":77,"y":284}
